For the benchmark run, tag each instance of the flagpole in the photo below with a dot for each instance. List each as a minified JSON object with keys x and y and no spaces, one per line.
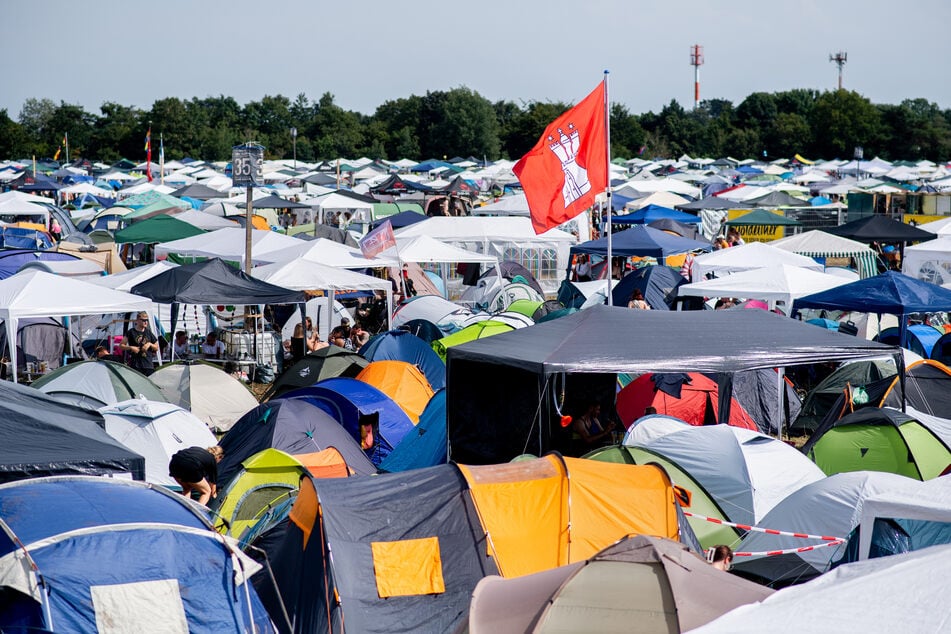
{"x":162,"y":157}
{"x":66,"y":140}
{"x":607,"y":180}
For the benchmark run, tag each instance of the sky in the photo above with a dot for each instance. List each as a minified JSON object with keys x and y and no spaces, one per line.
{"x":368,"y":52}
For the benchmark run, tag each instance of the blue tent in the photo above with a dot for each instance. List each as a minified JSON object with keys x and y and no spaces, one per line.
{"x":294,"y":427}
{"x":23,"y":238}
{"x":650,"y":213}
{"x":12,"y":259}
{"x":400,"y":345}
{"x":921,"y":339}
{"x":349,"y":402}
{"x":658,"y":284}
{"x":642,"y":241}
{"x":80,"y":551}
{"x":890,"y":293}
{"x":426,"y":445}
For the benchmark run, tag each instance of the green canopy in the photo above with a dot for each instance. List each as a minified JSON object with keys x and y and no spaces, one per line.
{"x":157,"y":229}
{"x":479,"y":330}
{"x":162,"y":205}
{"x":762,"y":218}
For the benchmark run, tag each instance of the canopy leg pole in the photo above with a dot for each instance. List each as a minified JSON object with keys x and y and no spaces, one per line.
{"x":780,"y":404}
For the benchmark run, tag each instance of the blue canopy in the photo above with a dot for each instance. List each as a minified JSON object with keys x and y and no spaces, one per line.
{"x":642,"y":241}
{"x":890,"y":293}
{"x":650,"y":213}
{"x":426,"y":445}
{"x":401,"y":345}
{"x":348,"y":401}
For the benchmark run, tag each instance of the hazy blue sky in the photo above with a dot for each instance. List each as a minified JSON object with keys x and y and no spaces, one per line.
{"x":366,"y":53}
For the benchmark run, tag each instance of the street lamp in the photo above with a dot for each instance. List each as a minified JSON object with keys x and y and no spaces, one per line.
{"x":294,"y":139}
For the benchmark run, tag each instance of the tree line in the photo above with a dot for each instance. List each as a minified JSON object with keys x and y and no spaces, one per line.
{"x":461,"y":122}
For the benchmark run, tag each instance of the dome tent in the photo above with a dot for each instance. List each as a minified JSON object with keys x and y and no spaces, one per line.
{"x":208,"y":392}
{"x":93,"y":384}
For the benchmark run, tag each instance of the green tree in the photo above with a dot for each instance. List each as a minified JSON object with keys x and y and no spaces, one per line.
{"x":788,"y":135}
{"x":13,"y":140}
{"x":525,"y":130}
{"x":35,"y":119}
{"x":116,"y":133}
{"x":842,"y":120}
{"x":170,"y":116}
{"x":627,"y":135}
{"x":335,"y":132}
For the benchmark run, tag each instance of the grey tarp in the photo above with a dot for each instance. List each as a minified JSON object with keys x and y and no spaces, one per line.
{"x":527,"y":366}
{"x":641,"y":583}
{"x":42,"y":437}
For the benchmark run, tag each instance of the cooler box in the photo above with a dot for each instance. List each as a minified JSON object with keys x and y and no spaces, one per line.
{"x":241,"y":345}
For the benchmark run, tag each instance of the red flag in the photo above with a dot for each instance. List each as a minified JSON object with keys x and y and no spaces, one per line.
{"x":148,"y":155}
{"x":568,"y":166}
{"x":378,"y":240}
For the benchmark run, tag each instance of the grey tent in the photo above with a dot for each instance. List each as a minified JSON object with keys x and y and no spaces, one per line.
{"x":542,"y":369}
{"x":41,"y":436}
{"x":198,"y":191}
{"x":95,"y":383}
{"x":640,"y":584}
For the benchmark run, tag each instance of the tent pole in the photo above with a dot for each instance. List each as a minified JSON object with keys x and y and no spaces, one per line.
{"x":780,"y":403}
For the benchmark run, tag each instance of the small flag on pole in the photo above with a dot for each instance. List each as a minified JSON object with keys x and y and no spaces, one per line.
{"x":568,"y":167}
{"x":148,"y":155}
{"x":378,"y":240}
{"x":59,"y":150}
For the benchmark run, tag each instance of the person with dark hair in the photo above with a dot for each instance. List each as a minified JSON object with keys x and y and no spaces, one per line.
{"x":196,"y":469}
{"x":587,"y":430}
{"x":637,"y":301}
{"x":720,"y":557}
{"x":139,"y":344}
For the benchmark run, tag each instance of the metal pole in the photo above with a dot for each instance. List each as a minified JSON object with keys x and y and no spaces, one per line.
{"x":247,"y":235}
{"x":607,"y":183}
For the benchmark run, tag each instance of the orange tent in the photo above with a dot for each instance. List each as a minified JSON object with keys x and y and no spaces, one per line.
{"x":536,"y":517}
{"x":401,"y":381}
{"x":328,"y":463}
{"x":697,"y":404}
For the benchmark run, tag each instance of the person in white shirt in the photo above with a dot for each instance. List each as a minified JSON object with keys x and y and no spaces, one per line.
{"x":212,"y":348}
{"x":180,"y":347}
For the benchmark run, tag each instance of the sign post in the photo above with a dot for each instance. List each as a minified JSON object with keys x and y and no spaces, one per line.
{"x":246,"y":171}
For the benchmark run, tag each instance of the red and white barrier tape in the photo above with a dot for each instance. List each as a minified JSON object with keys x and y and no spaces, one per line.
{"x":768,"y":531}
{"x":787,"y":551}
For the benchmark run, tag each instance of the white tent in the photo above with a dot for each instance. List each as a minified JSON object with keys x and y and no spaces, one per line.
{"x":651,"y":427}
{"x":303,"y":275}
{"x":214,"y":397}
{"x":127,"y":279}
{"x":24,"y":197}
{"x":902,"y":593}
{"x":14,"y":207}
{"x":546,"y":256}
{"x":329,"y":253}
{"x":204,"y":220}
{"x":929,"y":261}
{"x":745,"y":257}
{"x":515,"y":205}
{"x":772,"y":284}
{"x":229,"y":244}
{"x":929,"y":502}
{"x":87,"y":188}
{"x":940,"y":227}
{"x":663,"y":199}
{"x":41,"y":294}
{"x":819,"y":244}
{"x":671,"y":185}
{"x":360,"y":212}
{"x":156,"y":431}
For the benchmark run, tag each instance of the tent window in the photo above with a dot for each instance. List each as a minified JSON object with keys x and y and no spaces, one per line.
{"x":145,"y":606}
{"x":408,"y":567}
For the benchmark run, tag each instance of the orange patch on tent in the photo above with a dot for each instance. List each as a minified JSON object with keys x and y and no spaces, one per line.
{"x":697,"y":404}
{"x":402,"y":382}
{"x":408,"y":567}
{"x":260,"y":222}
{"x":328,"y":463}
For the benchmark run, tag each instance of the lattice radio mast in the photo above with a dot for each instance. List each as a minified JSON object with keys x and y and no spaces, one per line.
{"x":840,"y":59}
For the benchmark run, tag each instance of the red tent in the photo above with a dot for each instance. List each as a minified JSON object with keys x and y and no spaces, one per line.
{"x":696,"y":405}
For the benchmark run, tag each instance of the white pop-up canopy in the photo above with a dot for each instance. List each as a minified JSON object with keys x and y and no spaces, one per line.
{"x":229,"y":244}
{"x":746,"y":257}
{"x":819,"y":244}
{"x":328,"y":253}
{"x":929,"y":261}
{"x":41,"y":294}
{"x":777,"y":283}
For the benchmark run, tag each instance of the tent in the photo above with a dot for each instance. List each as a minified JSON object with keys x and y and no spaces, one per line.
{"x":884,"y":595}
{"x":329,"y":253}
{"x":651,"y":213}
{"x":93,"y":384}
{"x":229,"y":244}
{"x":408,"y":549}
{"x":102,"y":555}
{"x":426,"y":445}
{"x":41,"y":294}
{"x":642,"y":241}
{"x":156,"y":431}
{"x":746,"y":257}
{"x":479,"y":330}
{"x":641,"y":582}
{"x":889,"y":293}
{"x":203,"y":220}
{"x":823,"y":246}
{"x":353,"y":403}
{"x":691,"y":231}
{"x":316,"y":366}
{"x":691,"y":398}
{"x":529,"y":365}
{"x":927,"y":389}
{"x":919,"y":338}
{"x":125,"y":280}
{"x":12,"y":260}
{"x":41,"y":436}
{"x":651,"y":426}
{"x":878,"y":228}
{"x":831,"y":507}
{"x":40,"y":340}
{"x":294,"y":427}
{"x":658,"y":284}
{"x":880,"y":439}
{"x":914,"y":521}
{"x":213,"y":396}
{"x":774,"y":284}
{"x":401,"y":381}
{"x":929,"y":261}
{"x":446,"y":315}
{"x":775,"y":199}
{"x":157,"y":229}
{"x":762,"y":218}
{"x":400,"y":345}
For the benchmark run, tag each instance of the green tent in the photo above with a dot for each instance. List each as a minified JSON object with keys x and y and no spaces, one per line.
{"x":708,"y":533}
{"x":525,"y":307}
{"x":762,"y":218}
{"x":162,"y":205}
{"x":479,"y":330}
{"x":157,"y":229}
{"x":384,"y":210}
{"x":885,"y":439}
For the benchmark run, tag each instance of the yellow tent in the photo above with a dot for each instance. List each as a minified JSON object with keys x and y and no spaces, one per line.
{"x":401,"y":381}
{"x":551,"y":511}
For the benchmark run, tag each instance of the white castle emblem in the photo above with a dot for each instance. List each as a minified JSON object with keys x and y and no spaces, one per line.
{"x":576,"y":177}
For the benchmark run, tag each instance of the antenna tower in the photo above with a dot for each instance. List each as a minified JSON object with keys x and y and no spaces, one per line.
{"x":696,"y":60}
{"x":840,"y":59}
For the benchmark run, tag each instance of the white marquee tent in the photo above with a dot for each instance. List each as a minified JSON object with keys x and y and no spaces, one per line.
{"x":229,"y":244}
{"x":819,"y":244}
{"x":746,"y":257}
